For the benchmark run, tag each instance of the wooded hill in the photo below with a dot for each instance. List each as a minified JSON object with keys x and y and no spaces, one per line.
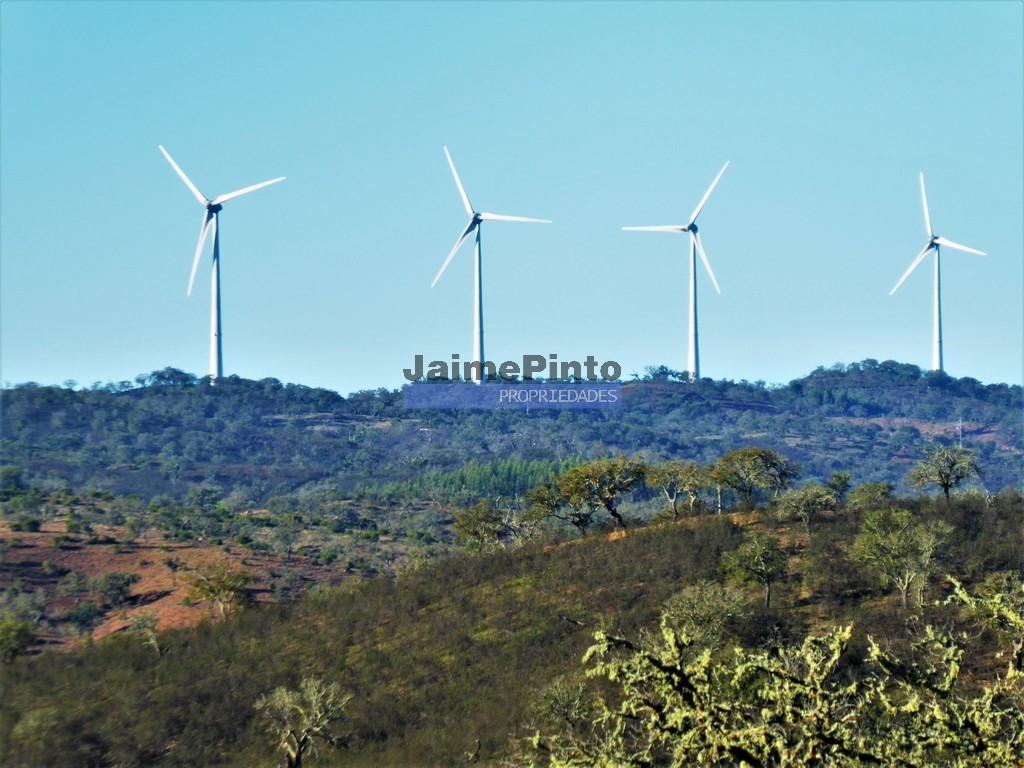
{"x":287,"y":496}
{"x":462,"y":660}
{"x":169,"y":431}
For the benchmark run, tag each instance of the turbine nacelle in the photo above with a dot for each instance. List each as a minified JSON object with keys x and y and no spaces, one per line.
{"x":212,"y":207}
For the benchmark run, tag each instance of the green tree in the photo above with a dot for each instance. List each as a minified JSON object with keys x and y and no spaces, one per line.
{"x":839,"y":485}
{"x":115,"y":587}
{"x":287,"y":535}
{"x":480,"y":527}
{"x":203,"y":498}
{"x":223,"y":585}
{"x":16,"y":636}
{"x":872,"y":496}
{"x":760,"y":559}
{"x":747,"y":469}
{"x":577,"y":494}
{"x":897,"y":548}
{"x":792,"y":706}
{"x":546,"y":501}
{"x":297,"y":719}
{"x":11,"y":483}
{"x":676,"y":478}
{"x":946,"y":467}
{"x":706,"y":611}
{"x":806,"y":503}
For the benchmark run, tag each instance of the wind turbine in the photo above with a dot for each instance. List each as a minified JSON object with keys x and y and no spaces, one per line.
{"x":934,"y":244}
{"x":693,"y":358}
{"x":475,"y":219}
{"x":210,"y":221}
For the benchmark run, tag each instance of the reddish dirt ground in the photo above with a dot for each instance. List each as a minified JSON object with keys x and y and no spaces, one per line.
{"x":159,"y":591}
{"x":976,"y":430}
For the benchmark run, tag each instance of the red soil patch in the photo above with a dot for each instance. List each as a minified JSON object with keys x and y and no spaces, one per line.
{"x":974,"y":430}
{"x":159,"y":591}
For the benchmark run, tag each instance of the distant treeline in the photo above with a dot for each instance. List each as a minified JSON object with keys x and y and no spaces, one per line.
{"x":168,"y":431}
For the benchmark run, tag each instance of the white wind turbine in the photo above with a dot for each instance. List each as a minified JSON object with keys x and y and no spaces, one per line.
{"x":693,"y":358}
{"x":210,"y":221}
{"x":475,"y":219}
{"x":933,"y":244}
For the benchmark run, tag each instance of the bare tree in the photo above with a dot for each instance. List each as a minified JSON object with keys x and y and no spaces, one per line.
{"x":298,"y":719}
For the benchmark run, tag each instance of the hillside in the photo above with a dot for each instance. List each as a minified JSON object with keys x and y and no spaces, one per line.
{"x":171,"y":552}
{"x":456,"y":657}
{"x":166,"y":433}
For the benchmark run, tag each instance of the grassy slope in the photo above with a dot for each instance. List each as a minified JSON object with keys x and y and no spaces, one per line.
{"x":449,"y":653}
{"x":441,"y":656}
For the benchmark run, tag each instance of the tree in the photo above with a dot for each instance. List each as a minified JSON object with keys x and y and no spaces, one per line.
{"x":115,"y":587}
{"x":287,"y":535}
{"x":173,"y":565}
{"x":11,"y":483}
{"x":74,"y":585}
{"x":576,"y":495}
{"x":897,"y":548}
{"x":221,"y":584}
{"x":600,"y":484}
{"x":872,"y":496}
{"x":297,"y":719}
{"x":705,"y":611}
{"x":760,"y":559}
{"x":480,"y":527}
{"x":145,"y":625}
{"x":747,"y":469}
{"x":675,"y":478}
{"x":546,"y":501}
{"x":204,"y":498}
{"x":839,"y":484}
{"x":946,"y":467}
{"x":15,"y":637}
{"x":793,"y":706}
{"x":806,"y":503}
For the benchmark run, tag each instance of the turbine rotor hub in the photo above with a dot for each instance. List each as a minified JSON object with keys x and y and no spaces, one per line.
{"x":214,"y":208}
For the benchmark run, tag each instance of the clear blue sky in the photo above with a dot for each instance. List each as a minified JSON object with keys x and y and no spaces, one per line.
{"x":595,"y":115}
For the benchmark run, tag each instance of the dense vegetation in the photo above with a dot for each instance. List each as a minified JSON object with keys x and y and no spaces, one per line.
{"x":467,"y":655}
{"x":256,"y":440}
{"x":755,"y":549}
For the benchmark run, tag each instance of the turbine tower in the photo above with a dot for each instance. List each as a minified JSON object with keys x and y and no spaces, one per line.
{"x":693,"y":358}
{"x":212,"y":209}
{"x":475,"y":220}
{"x":934,"y":244}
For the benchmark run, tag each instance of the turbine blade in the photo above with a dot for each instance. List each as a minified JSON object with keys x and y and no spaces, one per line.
{"x":458,"y":183}
{"x":473,"y":224}
{"x":957,"y":246}
{"x":500,"y":217}
{"x":247,"y":190}
{"x":207,"y":218}
{"x":199,"y":195}
{"x":704,"y":258}
{"x":913,"y":266}
{"x":655,"y":229}
{"x":924,"y":203}
{"x":707,"y":194}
